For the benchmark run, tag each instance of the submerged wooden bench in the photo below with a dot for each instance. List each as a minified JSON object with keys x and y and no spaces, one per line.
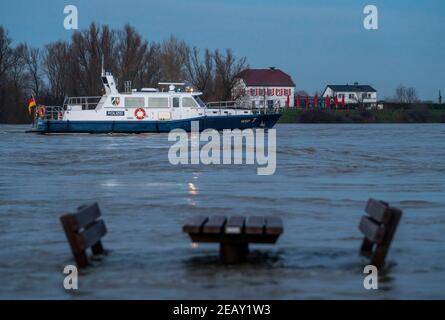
{"x":234,"y":233}
{"x":378,"y":227}
{"x":84,"y":230}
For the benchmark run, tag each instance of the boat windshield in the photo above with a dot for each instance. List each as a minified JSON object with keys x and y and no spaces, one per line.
{"x":200,"y":102}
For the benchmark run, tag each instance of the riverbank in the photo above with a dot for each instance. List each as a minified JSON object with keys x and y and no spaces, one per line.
{"x":412,"y":114}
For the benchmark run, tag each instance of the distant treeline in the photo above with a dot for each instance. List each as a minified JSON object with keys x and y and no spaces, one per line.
{"x":392,"y":113}
{"x":72,"y":68}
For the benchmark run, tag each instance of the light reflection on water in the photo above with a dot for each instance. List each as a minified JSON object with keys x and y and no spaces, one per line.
{"x":324,"y":175}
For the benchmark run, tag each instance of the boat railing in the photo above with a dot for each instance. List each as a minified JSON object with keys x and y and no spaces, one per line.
{"x":242,"y":105}
{"x":87,"y":103}
{"x":49,"y":112}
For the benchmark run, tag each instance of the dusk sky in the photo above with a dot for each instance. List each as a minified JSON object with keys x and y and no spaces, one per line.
{"x":317,"y":42}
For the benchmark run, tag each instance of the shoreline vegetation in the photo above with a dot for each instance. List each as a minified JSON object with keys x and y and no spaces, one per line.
{"x":71,"y":67}
{"x":414,"y":113}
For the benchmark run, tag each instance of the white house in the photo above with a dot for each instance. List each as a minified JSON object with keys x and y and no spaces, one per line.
{"x":264,"y":87}
{"x":353,"y":94}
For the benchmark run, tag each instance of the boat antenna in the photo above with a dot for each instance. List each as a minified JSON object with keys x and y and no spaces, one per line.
{"x":103,"y":70}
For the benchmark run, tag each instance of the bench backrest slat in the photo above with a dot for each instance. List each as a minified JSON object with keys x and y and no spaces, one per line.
{"x":235,"y":225}
{"x":215,"y":224}
{"x":195,"y":224}
{"x":371,"y":230}
{"x":274,"y":225}
{"x":85,"y":216}
{"x":255,"y":225}
{"x":92,"y":234}
{"x":83,"y":231}
{"x":378,"y":210}
{"x":379,"y":229}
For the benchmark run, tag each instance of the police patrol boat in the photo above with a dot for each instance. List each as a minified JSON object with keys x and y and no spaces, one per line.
{"x":148,"y":110}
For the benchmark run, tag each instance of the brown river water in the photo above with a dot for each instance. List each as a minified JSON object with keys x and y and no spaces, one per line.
{"x":325,"y":174}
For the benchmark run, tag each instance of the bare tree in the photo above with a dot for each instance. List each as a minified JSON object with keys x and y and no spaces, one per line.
{"x":240,"y":92}
{"x":34,"y":73}
{"x":108,"y":40}
{"x":6,"y":54}
{"x":200,"y":73}
{"x":150,"y":70}
{"x":13,"y":103}
{"x":227,"y":67}
{"x":131,"y":51}
{"x":18,"y":66}
{"x":405,"y":95}
{"x":411,"y":95}
{"x":87,"y":54}
{"x":172,"y":59}
{"x":73,"y":68}
{"x":57,"y":69}
{"x":400,"y":94}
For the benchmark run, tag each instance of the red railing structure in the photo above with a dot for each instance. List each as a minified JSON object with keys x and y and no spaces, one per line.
{"x":316,"y":102}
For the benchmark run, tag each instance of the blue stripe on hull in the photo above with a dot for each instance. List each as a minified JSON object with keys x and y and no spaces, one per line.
{"x":217,"y":123}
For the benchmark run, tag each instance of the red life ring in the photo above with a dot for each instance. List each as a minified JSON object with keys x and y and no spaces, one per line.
{"x":139,"y":113}
{"x":41,"y":112}
{"x":60,"y":115}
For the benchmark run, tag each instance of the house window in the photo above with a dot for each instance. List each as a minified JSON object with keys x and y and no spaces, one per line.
{"x":351,"y":96}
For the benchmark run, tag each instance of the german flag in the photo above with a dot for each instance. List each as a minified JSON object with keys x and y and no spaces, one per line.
{"x":31,"y":104}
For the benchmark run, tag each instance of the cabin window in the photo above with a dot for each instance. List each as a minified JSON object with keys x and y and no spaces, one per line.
{"x":134,"y":102}
{"x":158,"y":102}
{"x":175,"y":102}
{"x":199,"y":101}
{"x":188,"y":103}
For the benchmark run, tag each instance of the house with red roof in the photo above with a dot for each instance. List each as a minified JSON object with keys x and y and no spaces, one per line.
{"x":264,"y":88}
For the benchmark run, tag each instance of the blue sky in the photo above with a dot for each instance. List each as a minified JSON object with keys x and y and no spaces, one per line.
{"x":318,"y":42}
